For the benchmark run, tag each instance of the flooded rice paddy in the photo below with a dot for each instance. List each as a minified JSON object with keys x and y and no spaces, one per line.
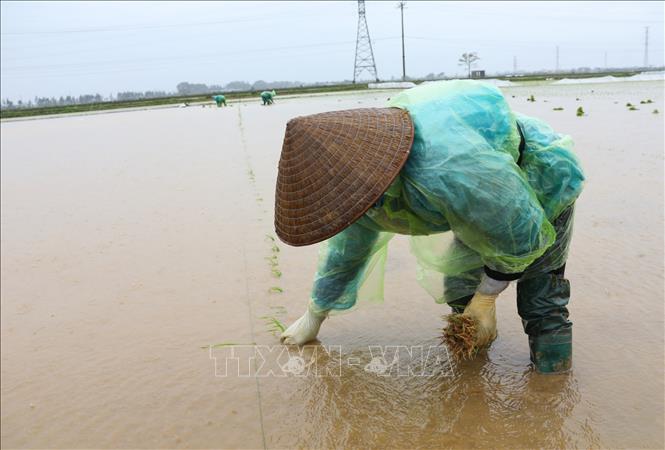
{"x":133,"y":241}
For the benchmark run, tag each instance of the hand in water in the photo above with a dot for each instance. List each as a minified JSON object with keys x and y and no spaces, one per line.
{"x":305,"y":329}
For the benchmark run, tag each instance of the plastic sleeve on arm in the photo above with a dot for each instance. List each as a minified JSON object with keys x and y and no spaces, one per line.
{"x":342,"y":263}
{"x":492,"y":209}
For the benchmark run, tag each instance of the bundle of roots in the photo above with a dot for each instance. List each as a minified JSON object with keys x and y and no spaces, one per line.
{"x":460,"y":336}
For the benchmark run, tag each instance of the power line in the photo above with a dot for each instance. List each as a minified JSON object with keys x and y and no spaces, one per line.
{"x":181,"y":58}
{"x":518,"y":16}
{"x":158,"y":66}
{"x":123,"y":28}
{"x":453,"y":42}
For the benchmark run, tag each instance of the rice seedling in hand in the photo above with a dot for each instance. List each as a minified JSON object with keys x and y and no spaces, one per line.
{"x":460,"y":336}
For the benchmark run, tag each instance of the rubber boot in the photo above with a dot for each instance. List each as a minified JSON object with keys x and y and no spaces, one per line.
{"x":553,"y":352}
{"x":541,"y":302}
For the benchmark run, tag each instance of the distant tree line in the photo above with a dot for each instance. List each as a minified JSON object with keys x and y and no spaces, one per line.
{"x":129,"y":95}
{"x":183,"y":88}
{"x":186,"y":88}
{"x":40,"y":102}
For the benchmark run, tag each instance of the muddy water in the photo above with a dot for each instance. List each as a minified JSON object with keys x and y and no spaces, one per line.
{"x":132,"y":240}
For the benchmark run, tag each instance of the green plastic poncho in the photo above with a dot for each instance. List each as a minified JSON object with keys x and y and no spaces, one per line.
{"x":267,"y":95}
{"x":461,"y":196}
{"x":219,"y":99}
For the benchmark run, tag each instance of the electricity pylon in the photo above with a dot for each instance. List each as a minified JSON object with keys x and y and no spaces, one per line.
{"x":364,"y":52}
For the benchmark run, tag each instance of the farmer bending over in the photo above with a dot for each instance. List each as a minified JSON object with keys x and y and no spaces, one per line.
{"x":220,"y":100}
{"x":267,"y":97}
{"x":486,"y":194}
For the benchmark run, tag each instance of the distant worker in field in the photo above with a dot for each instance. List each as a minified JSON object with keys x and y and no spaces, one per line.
{"x":486,"y":194}
{"x":267,"y":97}
{"x":220,"y":100}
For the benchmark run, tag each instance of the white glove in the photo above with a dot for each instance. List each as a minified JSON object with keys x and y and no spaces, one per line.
{"x":476,"y":326}
{"x":482,"y":308}
{"x":306,"y":328}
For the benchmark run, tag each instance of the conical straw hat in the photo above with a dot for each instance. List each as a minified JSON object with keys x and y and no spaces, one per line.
{"x":334,"y":166}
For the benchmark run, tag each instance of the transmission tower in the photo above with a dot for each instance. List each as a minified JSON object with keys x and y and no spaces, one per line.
{"x":364,"y":52}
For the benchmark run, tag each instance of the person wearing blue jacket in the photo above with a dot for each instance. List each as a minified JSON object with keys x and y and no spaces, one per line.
{"x":487,"y":196}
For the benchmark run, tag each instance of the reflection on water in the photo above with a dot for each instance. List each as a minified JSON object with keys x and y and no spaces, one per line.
{"x":478,"y":404}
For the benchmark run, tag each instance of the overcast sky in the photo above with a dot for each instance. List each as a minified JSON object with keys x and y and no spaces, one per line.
{"x":72,"y":48}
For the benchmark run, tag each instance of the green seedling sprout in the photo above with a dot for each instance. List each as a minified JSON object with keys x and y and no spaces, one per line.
{"x":655,"y":111}
{"x":270,"y":238}
{"x":275,"y":248}
{"x":580,"y":112}
{"x":629,"y":104}
{"x":632,"y":108}
{"x":275,"y":290}
{"x":531,"y":98}
{"x":220,"y":345}
{"x":557,"y":109}
{"x":276,"y":273}
{"x":274,"y":325}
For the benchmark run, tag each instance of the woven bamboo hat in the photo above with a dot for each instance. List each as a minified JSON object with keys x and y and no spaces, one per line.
{"x":334,"y":166}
